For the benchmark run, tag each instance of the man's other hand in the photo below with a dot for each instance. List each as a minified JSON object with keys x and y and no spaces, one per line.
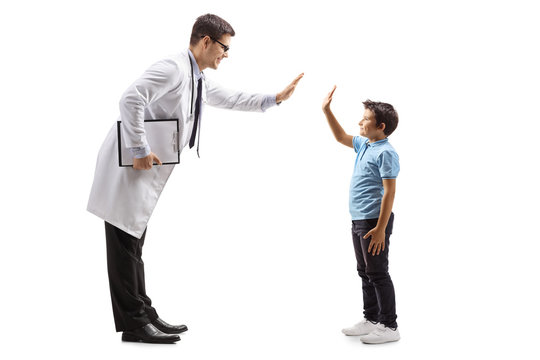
{"x":146,"y":163}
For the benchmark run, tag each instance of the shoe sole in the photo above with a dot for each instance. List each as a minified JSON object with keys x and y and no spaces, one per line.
{"x":363,"y":334}
{"x":129,"y":338}
{"x":378,"y":343}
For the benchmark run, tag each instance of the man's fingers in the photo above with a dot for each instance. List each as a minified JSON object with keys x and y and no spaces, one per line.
{"x":156,"y":159}
{"x":139,"y":164}
{"x":288,"y":91}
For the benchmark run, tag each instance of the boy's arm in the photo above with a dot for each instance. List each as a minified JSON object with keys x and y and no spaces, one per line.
{"x":338,"y":131}
{"x":378,"y":232}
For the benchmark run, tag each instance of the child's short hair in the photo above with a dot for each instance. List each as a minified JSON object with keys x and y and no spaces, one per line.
{"x":384,"y":113}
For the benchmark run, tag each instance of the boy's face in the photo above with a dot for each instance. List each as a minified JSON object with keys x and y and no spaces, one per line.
{"x":368,"y":126}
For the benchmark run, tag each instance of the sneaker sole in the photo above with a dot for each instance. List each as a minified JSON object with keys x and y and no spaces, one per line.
{"x":378,"y":343}
{"x":354,"y":334}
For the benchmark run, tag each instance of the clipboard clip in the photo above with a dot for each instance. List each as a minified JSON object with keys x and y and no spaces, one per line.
{"x":175,"y":141}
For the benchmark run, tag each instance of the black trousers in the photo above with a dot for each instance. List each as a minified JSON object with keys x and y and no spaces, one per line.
{"x":132,"y":308}
{"x":377,"y":286}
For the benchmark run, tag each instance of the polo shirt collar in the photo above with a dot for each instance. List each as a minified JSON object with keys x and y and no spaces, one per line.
{"x":377,"y":143}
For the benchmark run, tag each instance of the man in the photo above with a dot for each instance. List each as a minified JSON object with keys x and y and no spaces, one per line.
{"x":125,"y":197}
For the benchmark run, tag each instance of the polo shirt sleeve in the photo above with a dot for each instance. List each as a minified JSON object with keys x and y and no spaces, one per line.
{"x":357,"y":142}
{"x":388,"y":162}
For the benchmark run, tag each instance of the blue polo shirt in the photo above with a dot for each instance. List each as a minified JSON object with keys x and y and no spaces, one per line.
{"x":374,"y":162}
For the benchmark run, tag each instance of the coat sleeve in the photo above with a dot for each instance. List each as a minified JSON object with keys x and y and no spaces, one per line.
{"x":221,"y":97}
{"x":158,"y":80}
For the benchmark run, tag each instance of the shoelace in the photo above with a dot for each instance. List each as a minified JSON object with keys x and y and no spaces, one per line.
{"x":382,"y":329}
{"x":365,"y":321}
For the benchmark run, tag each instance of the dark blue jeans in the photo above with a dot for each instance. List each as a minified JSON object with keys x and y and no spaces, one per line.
{"x":377,"y":286}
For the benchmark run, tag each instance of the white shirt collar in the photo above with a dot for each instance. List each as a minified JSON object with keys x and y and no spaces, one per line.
{"x":198,"y":73}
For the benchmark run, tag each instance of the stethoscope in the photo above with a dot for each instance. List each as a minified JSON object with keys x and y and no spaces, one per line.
{"x":192,"y":86}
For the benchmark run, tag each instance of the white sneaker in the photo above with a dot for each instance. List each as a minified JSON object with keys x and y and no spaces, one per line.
{"x":381,"y":335}
{"x":364,"y":327}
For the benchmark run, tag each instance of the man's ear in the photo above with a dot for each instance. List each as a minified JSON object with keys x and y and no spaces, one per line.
{"x":381,"y":126}
{"x":206,"y":41}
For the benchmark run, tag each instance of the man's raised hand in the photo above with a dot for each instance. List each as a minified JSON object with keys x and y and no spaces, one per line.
{"x":288,"y":91}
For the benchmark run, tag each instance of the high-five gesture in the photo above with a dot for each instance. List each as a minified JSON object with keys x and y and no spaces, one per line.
{"x":328,"y":99}
{"x":288,"y":91}
{"x":340,"y":134}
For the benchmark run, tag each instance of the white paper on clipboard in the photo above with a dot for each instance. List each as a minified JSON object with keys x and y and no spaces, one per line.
{"x":162,"y":137}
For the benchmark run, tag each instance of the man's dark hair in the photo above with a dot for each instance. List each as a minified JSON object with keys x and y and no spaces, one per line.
{"x":384,"y":113}
{"x":209,"y":25}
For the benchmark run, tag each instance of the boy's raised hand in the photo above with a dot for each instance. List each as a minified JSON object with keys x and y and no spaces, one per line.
{"x":340,"y":134}
{"x":328,"y":99}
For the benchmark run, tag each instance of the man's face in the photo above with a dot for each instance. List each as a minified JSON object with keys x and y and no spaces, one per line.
{"x":368,"y":125}
{"x":215,"y":52}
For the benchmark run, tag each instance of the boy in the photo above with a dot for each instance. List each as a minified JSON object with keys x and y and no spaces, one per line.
{"x":372,"y":190}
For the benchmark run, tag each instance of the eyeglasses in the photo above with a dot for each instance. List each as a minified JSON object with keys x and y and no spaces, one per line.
{"x":225,"y":47}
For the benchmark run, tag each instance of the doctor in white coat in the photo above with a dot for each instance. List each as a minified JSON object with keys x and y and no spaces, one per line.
{"x":125,"y":197}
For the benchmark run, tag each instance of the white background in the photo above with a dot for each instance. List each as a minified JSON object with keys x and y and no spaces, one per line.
{"x":250,"y":245}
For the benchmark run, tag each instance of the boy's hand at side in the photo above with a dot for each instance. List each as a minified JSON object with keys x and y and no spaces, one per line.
{"x":376,"y":245}
{"x":378,"y":233}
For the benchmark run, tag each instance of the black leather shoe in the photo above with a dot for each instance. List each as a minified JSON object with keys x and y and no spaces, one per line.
{"x":167,"y":328}
{"x":149,"y":334}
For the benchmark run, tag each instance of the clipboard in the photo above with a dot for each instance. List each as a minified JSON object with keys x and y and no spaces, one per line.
{"x":163,"y":138}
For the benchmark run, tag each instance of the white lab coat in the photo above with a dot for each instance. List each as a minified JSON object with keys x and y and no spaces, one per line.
{"x":125,"y":197}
